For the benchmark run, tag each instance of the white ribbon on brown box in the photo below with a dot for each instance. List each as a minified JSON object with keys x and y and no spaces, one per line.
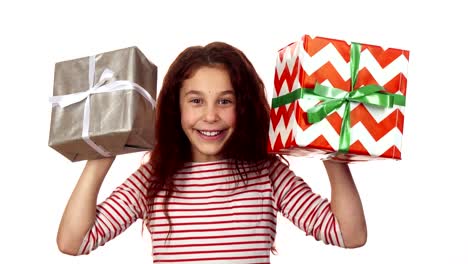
{"x":106,"y":84}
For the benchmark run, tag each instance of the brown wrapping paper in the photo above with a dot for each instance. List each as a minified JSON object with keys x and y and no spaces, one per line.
{"x":120,"y":121}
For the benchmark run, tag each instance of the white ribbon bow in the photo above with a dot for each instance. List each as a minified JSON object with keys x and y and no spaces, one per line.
{"x":106,"y":84}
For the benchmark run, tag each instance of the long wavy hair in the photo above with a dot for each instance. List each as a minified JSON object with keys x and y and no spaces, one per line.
{"x":247,"y":144}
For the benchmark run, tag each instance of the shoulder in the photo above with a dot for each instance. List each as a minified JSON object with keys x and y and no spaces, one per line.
{"x":274,"y":165}
{"x":145,"y":170}
{"x":140,"y":179}
{"x":276,"y":162}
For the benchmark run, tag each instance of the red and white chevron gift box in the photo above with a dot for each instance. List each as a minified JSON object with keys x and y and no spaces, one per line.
{"x":373,"y":131}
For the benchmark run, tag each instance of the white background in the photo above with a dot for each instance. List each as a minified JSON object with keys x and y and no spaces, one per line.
{"x":415,"y":208}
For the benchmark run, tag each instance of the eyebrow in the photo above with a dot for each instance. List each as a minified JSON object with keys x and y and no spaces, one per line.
{"x":195,"y":92}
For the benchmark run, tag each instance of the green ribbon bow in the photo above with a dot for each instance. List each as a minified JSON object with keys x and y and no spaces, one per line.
{"x":333,"y":98}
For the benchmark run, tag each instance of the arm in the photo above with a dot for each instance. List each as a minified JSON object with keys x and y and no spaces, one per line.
{"x":80,"y":212}
{"x":306,"y":209}
{"x":346,"y":204}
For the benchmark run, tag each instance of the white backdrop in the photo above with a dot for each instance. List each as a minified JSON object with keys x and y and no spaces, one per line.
{"x":415,"y":208}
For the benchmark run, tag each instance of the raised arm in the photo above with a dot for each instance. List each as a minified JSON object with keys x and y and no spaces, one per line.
{"x":80,"y":212}
{"x":346,"y":204}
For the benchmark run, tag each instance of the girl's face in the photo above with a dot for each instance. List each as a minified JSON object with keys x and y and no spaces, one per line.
{"x":208,"y":112}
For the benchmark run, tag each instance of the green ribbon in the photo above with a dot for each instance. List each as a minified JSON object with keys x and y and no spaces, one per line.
{"x":333,"y":98}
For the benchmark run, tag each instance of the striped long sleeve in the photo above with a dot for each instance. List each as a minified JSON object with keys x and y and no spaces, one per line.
{"x":123,"y":207}
{"x":215,"y":216}
{"x":307,"y":210}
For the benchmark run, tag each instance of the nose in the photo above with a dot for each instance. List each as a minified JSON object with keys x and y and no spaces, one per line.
{"x":211,"y":114}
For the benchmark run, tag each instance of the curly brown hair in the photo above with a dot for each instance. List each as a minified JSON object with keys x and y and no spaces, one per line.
{"x":248,"y":143}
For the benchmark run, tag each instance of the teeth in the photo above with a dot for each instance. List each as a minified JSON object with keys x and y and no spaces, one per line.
{"x":210,"y":133}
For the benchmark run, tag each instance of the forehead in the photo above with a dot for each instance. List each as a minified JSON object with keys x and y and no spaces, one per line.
{"x":208,"y":79}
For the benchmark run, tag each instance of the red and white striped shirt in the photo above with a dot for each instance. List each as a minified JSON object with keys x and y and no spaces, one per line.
{"x":216,"y":218}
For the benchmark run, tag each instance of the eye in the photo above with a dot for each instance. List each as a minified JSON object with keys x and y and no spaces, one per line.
{"x":195,"y":101}
{"x":225,"y":101}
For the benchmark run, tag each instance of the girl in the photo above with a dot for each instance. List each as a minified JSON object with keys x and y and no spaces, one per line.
{"x":210,"y":192}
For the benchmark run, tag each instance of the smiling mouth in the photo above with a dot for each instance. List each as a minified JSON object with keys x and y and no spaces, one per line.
{"x":210,"y":133}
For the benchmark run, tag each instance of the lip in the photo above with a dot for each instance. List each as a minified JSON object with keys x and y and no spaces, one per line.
{"x":214,"y":138}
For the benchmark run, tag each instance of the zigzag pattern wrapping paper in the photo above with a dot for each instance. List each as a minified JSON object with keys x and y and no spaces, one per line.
{"x":376,"y":132}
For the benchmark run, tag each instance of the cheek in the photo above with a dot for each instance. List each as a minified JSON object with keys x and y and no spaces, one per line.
{"x":185,"y":118}
{"x":230,"y":117}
